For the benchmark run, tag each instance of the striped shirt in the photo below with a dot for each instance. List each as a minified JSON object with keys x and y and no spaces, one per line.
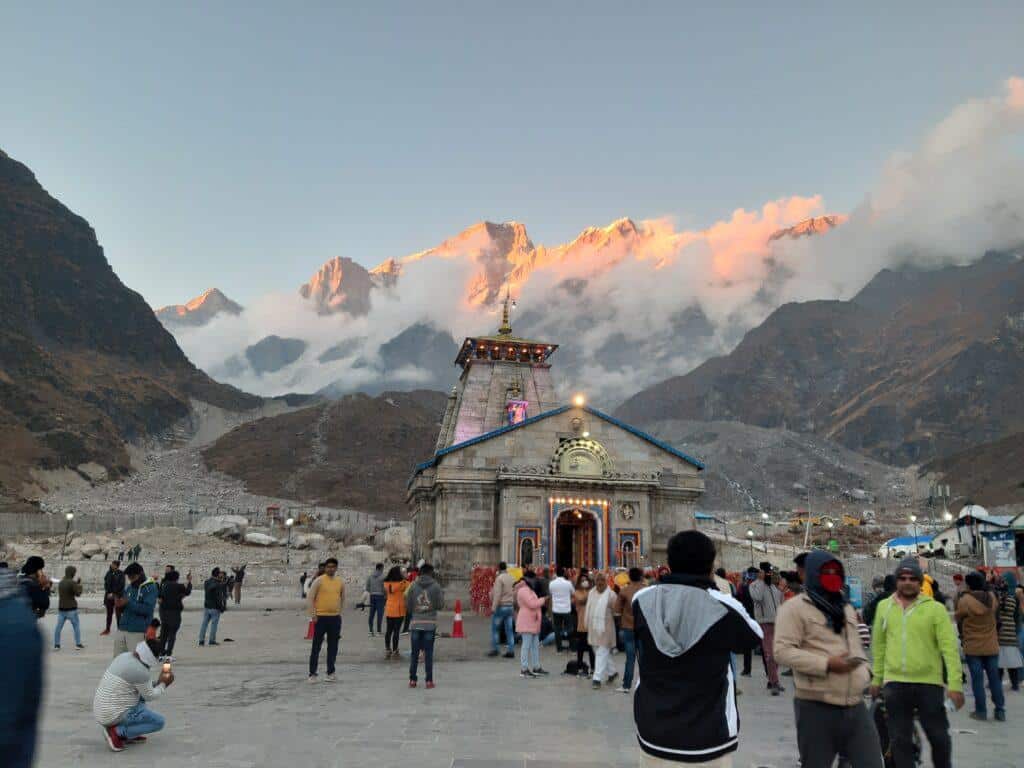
{"x":124,"y":682}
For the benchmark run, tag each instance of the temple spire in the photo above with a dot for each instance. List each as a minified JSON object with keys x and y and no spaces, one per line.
{"x":506,"y":323}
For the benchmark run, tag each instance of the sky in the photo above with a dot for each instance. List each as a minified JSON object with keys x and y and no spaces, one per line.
{"x":243,"y":144}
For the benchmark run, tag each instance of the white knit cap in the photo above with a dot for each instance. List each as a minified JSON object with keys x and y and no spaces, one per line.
{"x":146,"y":655}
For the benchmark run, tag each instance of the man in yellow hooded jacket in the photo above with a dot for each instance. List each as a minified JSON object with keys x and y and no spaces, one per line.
{"x":916,"y":658}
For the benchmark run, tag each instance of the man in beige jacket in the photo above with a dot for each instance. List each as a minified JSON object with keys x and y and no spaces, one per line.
{"x":503,"y":599}
{"x":816,"y":634}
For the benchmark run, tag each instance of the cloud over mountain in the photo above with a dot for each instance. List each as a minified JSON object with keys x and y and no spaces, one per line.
{"x":639,"y":300}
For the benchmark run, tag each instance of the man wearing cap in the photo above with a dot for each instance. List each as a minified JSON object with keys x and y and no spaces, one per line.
{"x":816,"y":635}
{"x":912,"y":639}
{"x":119,"y":705}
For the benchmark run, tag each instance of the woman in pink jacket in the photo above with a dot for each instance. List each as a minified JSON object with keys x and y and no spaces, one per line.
{"x":528,"y":627}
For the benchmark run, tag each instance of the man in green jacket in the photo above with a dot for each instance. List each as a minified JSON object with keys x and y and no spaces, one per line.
{"x":916,"y":657}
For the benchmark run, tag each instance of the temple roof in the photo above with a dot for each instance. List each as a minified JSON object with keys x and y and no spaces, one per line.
{"x":432,"y":461}
{"x":503,"y":345}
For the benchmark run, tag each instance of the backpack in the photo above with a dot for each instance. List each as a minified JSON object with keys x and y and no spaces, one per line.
{"x":574,"y":668}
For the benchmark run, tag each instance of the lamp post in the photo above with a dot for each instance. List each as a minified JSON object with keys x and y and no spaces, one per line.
{"x":750,"y":538}
{"x":288,"y":547}
{"x":764,"y":529}
{"x":67,"y":529}
{"x":913,"y":519}
{"x":830,"y":525}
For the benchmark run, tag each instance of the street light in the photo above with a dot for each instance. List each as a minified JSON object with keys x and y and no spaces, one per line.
{"x":913,"y":519}
{"x":947,"y":516}
{"x":750,"y":538}
{"x":829,"y":525}
{"x":288,"y":547}
{"x":764,"y":528}
{"x":67,"y":529}
{"x":579,"y":400}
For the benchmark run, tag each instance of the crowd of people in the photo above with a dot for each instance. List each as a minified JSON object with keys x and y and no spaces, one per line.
{"x":684,"y":628}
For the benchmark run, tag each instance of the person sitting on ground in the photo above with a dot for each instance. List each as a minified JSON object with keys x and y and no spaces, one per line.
{"x":119,"y":705}
{"x":685,"y":703}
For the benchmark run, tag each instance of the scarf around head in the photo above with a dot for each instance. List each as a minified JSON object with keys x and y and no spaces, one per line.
{"x":146,"y":655}
{"x":597,"y":610}
{"x":832,"y":604}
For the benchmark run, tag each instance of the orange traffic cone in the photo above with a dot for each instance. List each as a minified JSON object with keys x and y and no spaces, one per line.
{"x":309,"y":630}
{"x":457,"y":624}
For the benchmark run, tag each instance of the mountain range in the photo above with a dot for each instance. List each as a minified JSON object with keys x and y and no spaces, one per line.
{"x":84,"y":363}
{"x":199,"y":311}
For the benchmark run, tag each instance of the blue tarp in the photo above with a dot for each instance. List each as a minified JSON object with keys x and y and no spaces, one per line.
{"x":907,"y":541}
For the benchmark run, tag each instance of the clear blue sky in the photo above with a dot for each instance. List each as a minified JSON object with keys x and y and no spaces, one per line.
{"x":242,"y":144}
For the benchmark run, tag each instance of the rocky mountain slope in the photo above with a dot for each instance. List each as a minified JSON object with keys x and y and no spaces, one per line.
{"x":917,"y":365}
{"x":199,"y":311}
{"x":991,"y":474}
{"x":84,"y":363}
{"x":357,"y":452}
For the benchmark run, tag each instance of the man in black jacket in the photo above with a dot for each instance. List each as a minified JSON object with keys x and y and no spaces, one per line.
{"x":172,"y":593}
{"x":35,"y":585}
{"x":214,"y":604}
{"x":685,"y":631}
{"x":113,"y":588}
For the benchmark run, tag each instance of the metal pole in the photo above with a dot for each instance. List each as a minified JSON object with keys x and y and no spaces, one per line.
{"x":751,"y":551}
{"x":67,"y":529}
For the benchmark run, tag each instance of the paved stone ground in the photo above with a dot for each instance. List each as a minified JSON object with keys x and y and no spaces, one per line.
{"x":247,"y":704}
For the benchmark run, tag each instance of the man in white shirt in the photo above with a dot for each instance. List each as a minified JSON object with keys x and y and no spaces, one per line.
{"x":561,"y":590}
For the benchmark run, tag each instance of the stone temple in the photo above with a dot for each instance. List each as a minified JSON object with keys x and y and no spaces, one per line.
{"x":520,"y":475}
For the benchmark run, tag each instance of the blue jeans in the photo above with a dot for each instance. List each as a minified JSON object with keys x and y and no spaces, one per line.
{"x":529,"y":651}
{"x":63,"y":616}
{"x":503,"y":614}
{"x":211,"y":616}
{"x":549,"y":639}
{"x":422,"y":640}
{"x":982,"y":667}
{"x":138,"y":721}
{"x":628,"y":639}
{"x":377,"y":609}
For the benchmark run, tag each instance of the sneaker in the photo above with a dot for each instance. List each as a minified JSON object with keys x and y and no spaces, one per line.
{"x":104,"y":632}
{"x":313,"y":679}
{"x":79,"y":646}
{"x":114,"y":740}
{"x":201,"y":643}
{"x":979,"y":716}
{"x":331,"y":678}
{"x":170,"y":659}
{"x":508,"y":655}
{"x":371,"y":634}
{"x":430,"y":684}
{"x":612,"y":676}
{"x":775,"y":691}
{"x":780,"y":688}
{"x":492,"y":654}
{"x":786,"y":673}
{"x":214,"y":642}
{"x":56,"y":647}
{"x":744,"y":674}
{"x":526,"y":673}
{"x":412,"y":683}
{"x":540,"y":671}
{"x":622,"y":689}
{"x":405,"y":633}
{"x":1001,"y":715}
{"x":596,"y":685}
{"x":136,"y":740}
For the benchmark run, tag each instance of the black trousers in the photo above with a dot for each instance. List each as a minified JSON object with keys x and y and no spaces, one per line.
{"x":329,"y":627}
{"x":748,"y":658}
{"x":170,"y":623}
{"x":901,"y":701}
{"x":563,"y":628}
{"x":394,"y":629}
{"x":824,"y":731}
{"x":581,"y":646}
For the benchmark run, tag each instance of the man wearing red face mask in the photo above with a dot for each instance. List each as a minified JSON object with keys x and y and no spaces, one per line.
{"x":816,"y":634}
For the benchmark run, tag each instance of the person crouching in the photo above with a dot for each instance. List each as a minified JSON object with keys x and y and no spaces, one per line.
{"x":119,"y":705}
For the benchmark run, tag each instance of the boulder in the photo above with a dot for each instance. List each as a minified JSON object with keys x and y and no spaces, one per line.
{"x":308,"y":541}
{"x":91,"y":549}
{"x":396,"y":542}
{"x":223,"y":526}
{"x":260,"y":539}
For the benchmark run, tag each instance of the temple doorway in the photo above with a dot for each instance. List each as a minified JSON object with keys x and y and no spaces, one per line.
{"x":576,"y":539}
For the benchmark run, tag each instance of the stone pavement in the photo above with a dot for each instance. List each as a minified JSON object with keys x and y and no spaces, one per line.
{"x":247,"y":704}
